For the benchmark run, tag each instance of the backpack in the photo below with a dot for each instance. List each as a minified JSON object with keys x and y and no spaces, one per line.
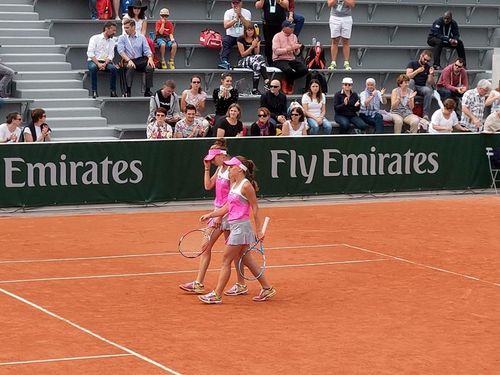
{"x":104,"y":9}
{"x":211,"y":39}
{"x":314,"y":74}
{"x":315,"y":58}
{"x":124,"y":4}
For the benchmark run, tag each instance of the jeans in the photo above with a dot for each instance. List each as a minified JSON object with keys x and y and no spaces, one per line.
{"x":377,"y":121}
{"x":228,"y":42}
{"x":93,"y":10}
{"x":93,"y":74}
{"x":292,"y":69}
{"x":314,"y":126}
{"x":426,"y":92}
{"x":345,"y":122}
{"x":298,"y":20}
{"x":6,"y":76}
{"x":438,"y":45}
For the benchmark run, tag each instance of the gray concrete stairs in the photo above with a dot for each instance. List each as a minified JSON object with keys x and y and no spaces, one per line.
{"x":44,"y":75}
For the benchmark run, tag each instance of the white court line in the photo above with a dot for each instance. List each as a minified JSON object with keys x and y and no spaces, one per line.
{"x":149,"y":255}
{"x":180,"y":272}
{"x":121,"y":347}
{"x":63,"y":359}
{"x":423,"y":265}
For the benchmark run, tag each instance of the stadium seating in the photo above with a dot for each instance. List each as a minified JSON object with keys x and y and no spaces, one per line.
{"x":45,"y":41}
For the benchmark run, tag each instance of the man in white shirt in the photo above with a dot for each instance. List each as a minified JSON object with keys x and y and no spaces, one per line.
{"x":236,"y":20}
{"x":100,"y":54}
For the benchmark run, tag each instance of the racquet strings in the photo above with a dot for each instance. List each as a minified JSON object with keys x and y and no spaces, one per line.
{"x":194,"y":243}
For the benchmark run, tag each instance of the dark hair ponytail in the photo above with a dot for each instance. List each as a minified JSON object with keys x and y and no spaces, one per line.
{"x":250,"y":173}
{"x":220,"y":143}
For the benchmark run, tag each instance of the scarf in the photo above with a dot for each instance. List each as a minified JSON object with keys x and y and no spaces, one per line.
{"x":225,"y":93}
{"x":264,"y":128}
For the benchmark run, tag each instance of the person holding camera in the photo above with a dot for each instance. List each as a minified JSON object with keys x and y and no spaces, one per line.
{"x":37,"y":130}
{"x":444,"y":33}
{"x":421,"y":76}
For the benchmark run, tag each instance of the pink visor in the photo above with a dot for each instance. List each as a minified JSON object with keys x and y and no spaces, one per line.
{"x":213,"y":152}
{"x":237,"y":162}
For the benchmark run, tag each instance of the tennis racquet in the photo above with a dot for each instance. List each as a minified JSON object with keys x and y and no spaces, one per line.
{"x":254,"y":257}
{"x":195,"y":242}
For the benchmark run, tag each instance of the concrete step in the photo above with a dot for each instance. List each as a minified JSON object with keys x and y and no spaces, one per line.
{"x":48,"y":84}
{"x":76,"y":122}
{"x":82,"y":133}
{"x":31,"y":48}
{"x":22,"y":24}
{"x":28,"y":2}
{"x":17,"y":41}
{"x":13,"y":7}
{"x":65,"y":103}
{"x":73,"y":111}
{"x":35,"y":66}
{"x":26,"y":33}
{"x":54,"y":93}
{"x":49,"y":75}
{"x":19,"y":16}
{"x":29,"y":57}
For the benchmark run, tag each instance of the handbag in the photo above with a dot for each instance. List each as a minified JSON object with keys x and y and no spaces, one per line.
{"x":211,"y":39}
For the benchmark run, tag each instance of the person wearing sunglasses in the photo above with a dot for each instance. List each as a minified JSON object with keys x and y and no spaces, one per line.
{"x":34,"y":132}
{"x":10,"y":131}
{"x":296,"y":126}
{"x":275,"y":101}
{"x":263,"y":126}
{"x":453,"y":82}
{"x":444,"y":32}
{"x":159,"y":129}
{"x":346,"y":103}
{"x":195,"y":96}
{"x":164,"y":37}
{"x":421,"y":76}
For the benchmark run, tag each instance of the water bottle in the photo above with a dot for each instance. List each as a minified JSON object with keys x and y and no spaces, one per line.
{"x":313,"y":41}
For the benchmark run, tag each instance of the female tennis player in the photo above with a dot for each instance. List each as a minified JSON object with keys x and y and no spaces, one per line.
{"x":241,"y":198}
{"x":217,"y":154}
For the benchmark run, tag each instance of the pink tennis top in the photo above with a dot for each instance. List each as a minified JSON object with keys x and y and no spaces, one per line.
{"x":239,"y":208}
{"x":222,"y":186}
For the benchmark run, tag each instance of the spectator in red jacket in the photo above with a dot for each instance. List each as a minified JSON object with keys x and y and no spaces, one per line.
{"x":453,"y":81}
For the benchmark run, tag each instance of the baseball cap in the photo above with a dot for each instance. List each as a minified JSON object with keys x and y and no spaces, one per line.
{"x":213,"y":152}
{"x":164,"y":12}
{"x":287,"y":23}
{"x":237,"y":162}
{"x":347,"y":80}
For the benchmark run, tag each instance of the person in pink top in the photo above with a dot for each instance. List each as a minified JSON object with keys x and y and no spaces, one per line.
{"x":286,"y":48}
{"x":217,"y":154}
{"x":241,"y":199}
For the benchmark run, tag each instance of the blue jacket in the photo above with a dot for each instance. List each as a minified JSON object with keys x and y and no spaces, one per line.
{"x":444,"y":32}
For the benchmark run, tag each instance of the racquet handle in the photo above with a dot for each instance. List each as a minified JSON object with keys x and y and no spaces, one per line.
{"x":266,"y":223}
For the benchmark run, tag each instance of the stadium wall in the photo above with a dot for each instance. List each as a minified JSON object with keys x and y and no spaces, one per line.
{"x":156,"y":171}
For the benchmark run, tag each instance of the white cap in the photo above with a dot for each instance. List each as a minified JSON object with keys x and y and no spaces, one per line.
{"x":347,"y":80}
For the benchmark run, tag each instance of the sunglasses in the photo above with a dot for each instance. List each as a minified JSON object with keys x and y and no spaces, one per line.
{"x":347,"y":84}
{"x":295,"y":114}
{"x":195,"y":81}
{"x":262,"y":115}
{"x":459,"y":66}
{"x":160,"y":115}
{"x":274,"y":87}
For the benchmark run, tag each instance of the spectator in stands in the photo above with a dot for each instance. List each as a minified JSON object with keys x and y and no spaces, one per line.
{"x":100,"y":55}
{"x":346,"y":103}
{"x":263,"y":126}
{"x":6,"y":77}
{"x":296,"y":126}
{"x":314,"y":104}
{"x":286,"y":48}
{"x":494,"y":99}
{"x":37,"y":130}
{"x":275,"y":101}
{"x":10,"y":131}
{"x":371,"y":100}
{"x":444,"y":33}
{"x":421,"y":76}
{"x":274,"y":13}
{"x":453,"y":81}
{"x":158,"y":128}
{"x":224,"y":97}
{"x":166,"y":98}
{"x":492,"y":123}
{"x":249,"y":48}
{"x":444,"y":120}
{"x":164,"y":37}
{"x":402,"y":103}
{"x":190,"y":126}
{"x":195,"y":96}
{"x":231,"y":126}
{"x":137,"y":12}
{"x":135,"y":51}
{"x":295,"y":18}
{"x":236,"y":20}
{"x":340,"y":28}
{"x":473,"y":103}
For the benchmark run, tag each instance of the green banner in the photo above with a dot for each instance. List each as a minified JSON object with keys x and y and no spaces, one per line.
{"x":154,"y":171}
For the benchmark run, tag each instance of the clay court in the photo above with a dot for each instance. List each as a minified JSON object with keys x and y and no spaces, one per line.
{"x":378,"y":287}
